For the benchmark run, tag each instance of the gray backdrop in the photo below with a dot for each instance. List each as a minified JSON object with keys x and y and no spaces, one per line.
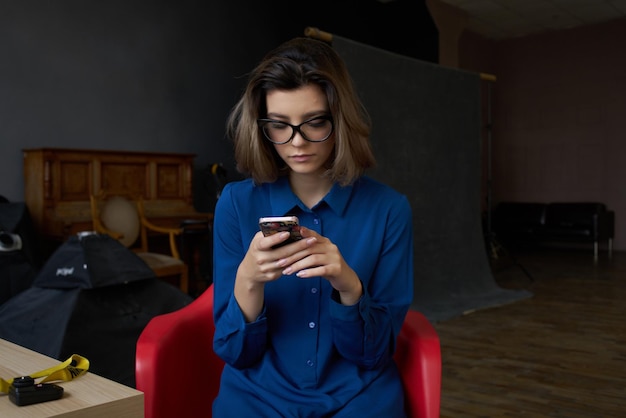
{"x":426,"y":136}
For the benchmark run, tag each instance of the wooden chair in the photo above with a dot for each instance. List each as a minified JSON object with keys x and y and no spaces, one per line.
{"x":179,"y":374}
{"x":125,"y":220}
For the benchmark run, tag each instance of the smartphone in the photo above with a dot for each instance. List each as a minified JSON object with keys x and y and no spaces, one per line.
{"x":272,"y":224}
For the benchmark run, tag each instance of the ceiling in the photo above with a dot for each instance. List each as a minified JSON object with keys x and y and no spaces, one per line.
{"x":504,"y":19}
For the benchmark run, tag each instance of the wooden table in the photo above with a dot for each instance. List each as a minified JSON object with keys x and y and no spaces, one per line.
{"x":89,"y":395}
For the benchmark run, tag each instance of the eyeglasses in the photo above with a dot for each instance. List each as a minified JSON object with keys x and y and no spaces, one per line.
{"x":317,"y":129}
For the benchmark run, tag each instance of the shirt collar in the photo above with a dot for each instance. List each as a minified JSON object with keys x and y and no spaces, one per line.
{"x":283,"y":200}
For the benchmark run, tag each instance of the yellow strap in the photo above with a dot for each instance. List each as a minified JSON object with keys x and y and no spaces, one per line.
{"x":70,"y":369}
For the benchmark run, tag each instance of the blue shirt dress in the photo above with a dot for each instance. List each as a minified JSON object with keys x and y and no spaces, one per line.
{"x":307,"y":355}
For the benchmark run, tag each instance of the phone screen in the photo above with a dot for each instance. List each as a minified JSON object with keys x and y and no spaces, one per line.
{"x":274,"y":224}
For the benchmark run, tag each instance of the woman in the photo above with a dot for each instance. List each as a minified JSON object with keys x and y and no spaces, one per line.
{"x":308,"y":329}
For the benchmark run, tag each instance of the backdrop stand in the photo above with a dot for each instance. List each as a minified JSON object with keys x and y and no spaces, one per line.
{"x":494,"y":247}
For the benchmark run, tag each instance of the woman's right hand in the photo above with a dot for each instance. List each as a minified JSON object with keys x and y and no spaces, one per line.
{"x":261,"y":265}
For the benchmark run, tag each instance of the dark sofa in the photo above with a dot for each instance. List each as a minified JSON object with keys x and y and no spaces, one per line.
{"x":524,"y":223}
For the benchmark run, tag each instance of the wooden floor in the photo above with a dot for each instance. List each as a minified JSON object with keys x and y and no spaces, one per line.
{"x":561,"y":353}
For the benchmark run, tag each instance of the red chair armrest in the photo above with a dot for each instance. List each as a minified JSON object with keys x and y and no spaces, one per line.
{"x":175,"y":365}
{"x":418,"y":356}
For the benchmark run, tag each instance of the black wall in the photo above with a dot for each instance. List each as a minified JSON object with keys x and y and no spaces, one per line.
{"x":159,"y":75}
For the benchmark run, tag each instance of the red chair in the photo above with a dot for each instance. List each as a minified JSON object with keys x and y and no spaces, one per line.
{"x":179,"y":373}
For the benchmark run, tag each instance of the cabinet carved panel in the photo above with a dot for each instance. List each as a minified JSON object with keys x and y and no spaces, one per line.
{"x":58,"y":183}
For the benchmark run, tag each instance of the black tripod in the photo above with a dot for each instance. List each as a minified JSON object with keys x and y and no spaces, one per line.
{"x":494,"y":248}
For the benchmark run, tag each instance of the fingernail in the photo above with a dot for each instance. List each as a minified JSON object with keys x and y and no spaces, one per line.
{"x":287,"y":271}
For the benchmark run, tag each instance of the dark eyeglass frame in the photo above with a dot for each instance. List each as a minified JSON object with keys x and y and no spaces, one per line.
{"x":296,"y":128}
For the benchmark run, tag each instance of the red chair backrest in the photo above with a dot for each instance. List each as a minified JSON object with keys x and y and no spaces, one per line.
{"x":179,"y":373}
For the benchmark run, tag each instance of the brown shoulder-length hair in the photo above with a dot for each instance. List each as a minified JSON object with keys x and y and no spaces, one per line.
{"x":294,"y":64}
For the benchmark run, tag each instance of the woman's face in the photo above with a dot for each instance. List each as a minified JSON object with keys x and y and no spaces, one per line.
{"x":294,"y":107}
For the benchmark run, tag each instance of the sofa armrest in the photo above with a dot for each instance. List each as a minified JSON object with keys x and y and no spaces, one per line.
{"x":517,"y":222}
{"x":606,"y":225}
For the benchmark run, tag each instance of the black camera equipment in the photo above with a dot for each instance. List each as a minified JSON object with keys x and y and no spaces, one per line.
{"x":10,"y":242}
{"x":24,"y":391}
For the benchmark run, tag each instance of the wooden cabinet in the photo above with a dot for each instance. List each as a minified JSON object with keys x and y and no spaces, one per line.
{"x":58,"y":183}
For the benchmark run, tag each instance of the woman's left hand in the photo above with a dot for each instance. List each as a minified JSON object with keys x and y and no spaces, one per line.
{"x":324,"y":259}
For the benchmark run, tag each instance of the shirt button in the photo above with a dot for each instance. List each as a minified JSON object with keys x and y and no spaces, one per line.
{"x":311,"y":324}
{"x":316,"y":221}
{"x":314,"y":290}
{"x":310,"y":363}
